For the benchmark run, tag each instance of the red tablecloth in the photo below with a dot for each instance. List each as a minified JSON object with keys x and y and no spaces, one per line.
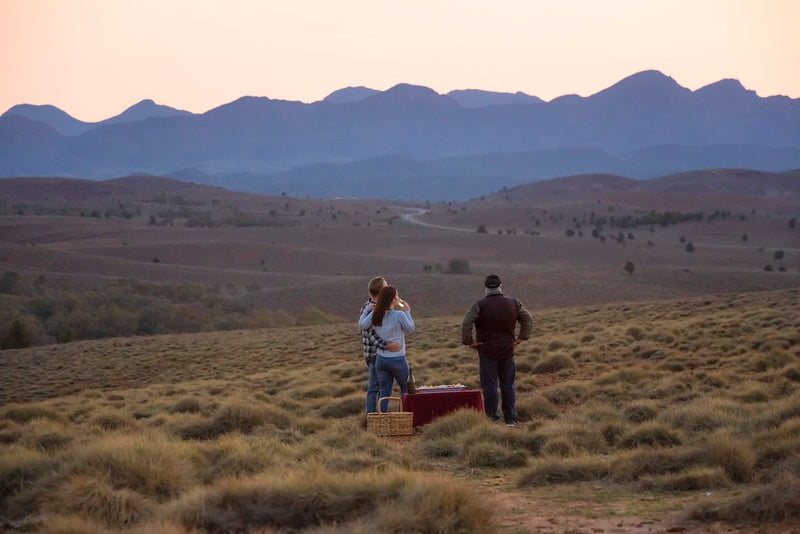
{"x":429,"y":406}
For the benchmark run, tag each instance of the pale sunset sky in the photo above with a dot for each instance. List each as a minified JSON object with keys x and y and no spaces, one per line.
{"x":95,"y":58}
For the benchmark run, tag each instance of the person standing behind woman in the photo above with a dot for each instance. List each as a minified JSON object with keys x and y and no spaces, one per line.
{"x":391,"y":320}
{"x":371,"y":342}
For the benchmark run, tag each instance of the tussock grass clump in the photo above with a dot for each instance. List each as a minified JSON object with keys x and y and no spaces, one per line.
{"x":536,"y":407}
{"x":633,"y":465}
{"x":437,"y":506}
{"x":187,"y":405}
{"x":112,"y":420}
{"x":641,"y":411}
{"x":791,"y":465}
{"x":233,"y":454}
{"x":554,"y":364}
{"x":236,"y":415}
{"x":22,"y":413}
{"x":778,"y":501}
{"x":468,"y":435}
{"x":454,"y":424}
{"x":344,"y":407}
{"x":650,"y":435}
{"x":148,"y":464}
{"x":777,"y":444}
{"x":567,"y":393}
{"x":97,"y":499}
{"x":492,"y":454}
{"x":45,"y":434}
{"x":698,"y":416}
{"x":694,"y":479}
{"x":567,"y":437}
{"x":552,"y":470}
{"x":9,"y":431}
{"x":20,"y":467}
{"x":735,"y":456}
{"x":392,"y":501}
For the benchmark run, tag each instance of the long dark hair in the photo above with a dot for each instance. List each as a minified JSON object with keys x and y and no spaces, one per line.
{"x":385,"y":298}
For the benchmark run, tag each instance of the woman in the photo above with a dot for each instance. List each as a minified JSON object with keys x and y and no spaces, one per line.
{"x":391,"y":319}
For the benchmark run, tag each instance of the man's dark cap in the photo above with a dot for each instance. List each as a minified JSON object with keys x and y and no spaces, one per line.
{"x":492,"y":281}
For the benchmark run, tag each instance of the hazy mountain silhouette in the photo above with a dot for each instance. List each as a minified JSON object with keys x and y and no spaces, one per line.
{"x":68,"y":125}
{"x":475,"y":98}
{"x":412,"y":140}
{"x":349,"y":94}
{"x":59,"y":120}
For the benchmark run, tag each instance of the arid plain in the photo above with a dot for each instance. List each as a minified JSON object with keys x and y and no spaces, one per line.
{"x":290,"y":254}
{"x":663,"y":365}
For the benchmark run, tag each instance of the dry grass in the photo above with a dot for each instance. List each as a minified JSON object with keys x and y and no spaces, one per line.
{"x":262,"y":430}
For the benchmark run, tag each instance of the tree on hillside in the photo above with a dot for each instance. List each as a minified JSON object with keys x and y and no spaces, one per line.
{"x":689,"y":247}
{"x":778,"y":255}
{"x":793,"y":222}
{"x":18,"y":336}
{"x":629,"y":267}
{"x":482,"y":229}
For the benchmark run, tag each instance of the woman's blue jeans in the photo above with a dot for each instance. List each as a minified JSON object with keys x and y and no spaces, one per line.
{"x":389,"y":370}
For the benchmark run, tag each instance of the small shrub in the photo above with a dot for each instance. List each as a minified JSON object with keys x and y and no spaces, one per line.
{"x":458,"y":266}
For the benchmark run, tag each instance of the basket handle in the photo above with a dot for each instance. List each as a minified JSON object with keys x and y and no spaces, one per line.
{"x":399,"y":405}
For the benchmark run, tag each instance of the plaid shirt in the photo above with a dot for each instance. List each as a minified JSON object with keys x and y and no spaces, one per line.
{"x":369,"y":338}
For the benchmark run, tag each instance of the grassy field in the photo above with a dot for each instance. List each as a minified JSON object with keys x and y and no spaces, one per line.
{"x":636,"y":416}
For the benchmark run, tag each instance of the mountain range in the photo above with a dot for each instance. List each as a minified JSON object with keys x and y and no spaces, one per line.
{"x":411,"y":143}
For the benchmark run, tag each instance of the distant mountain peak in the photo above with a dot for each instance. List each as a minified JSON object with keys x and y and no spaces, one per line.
{"x":407,"y":90}
{"x":646,"y":80}
{"x":650,"y":85}
{"x":727,"y":88}
{"x":476,"y":98}
{"x":61,"y":121}
{"x":349,"y":94}
{"x":145,"y":109}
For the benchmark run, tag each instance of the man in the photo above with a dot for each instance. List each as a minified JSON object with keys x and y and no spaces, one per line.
{"x":372,"y":343}
{"x":494,"y":319}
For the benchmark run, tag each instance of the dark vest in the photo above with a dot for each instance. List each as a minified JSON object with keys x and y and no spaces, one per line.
{"x":495,"y":327}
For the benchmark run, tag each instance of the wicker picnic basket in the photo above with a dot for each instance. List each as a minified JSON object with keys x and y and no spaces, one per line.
{"x":387,"y":423}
